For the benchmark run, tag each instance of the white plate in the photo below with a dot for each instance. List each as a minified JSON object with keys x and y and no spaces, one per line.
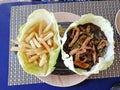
{"x":117,"y":22}
{"x":64,"y":80}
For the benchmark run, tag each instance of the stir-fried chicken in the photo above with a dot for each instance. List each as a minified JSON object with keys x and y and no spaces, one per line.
{"x":86,"y":43}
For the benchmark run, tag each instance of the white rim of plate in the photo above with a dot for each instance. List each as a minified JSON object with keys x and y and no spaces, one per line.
{"x":116,"y":22}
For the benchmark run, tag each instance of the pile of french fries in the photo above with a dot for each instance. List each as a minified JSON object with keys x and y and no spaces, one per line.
{"x":37,"y":43}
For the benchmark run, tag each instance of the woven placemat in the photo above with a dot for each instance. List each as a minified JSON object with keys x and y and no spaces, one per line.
{"x":19,"y":14}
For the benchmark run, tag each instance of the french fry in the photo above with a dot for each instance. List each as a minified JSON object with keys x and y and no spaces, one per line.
{"x":43,"y":60}
{"x":36,"y":36}
{"x":30,"y":53}
{"x":48,"y":27}
{"x":25,"y":46}
{"x":42,"y":25}
{"x":40,"y":29}
{"x":18,"y":49}
{"x":30,"y":37}
{"x":50,"y":42}
{"x":36,"y":51}
{"x":21,"y":44}
{"x":29,"y":31}
{"x":44,"y":44}
{"x":33,"y":58}
{"x":15,"y":41}
{"x":48,"y":36}
{"x":32,"y":44}
{"x":37,"y":44}
{"x":45,"y":34}
{"x":42,"y":52}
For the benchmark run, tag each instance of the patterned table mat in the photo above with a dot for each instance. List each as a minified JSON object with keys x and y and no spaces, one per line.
{"x":19,"y":14}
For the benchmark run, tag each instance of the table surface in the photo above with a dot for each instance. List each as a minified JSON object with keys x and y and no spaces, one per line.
{"x":93,"y":84}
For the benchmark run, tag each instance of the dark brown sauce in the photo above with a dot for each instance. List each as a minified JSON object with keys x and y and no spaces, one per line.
{"x":98,"y":36}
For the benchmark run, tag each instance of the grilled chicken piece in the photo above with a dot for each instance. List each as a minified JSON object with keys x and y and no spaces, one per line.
{"x":102,"y":44}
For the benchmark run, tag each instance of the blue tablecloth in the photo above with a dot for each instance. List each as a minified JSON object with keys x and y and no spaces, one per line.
{"x":97,"y":84}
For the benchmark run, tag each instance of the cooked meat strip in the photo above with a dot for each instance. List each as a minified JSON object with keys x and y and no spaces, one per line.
{"x":94,"y":54}
{"x":87,"y":47}
{"x":73,"y":33}
{"x":88,"y":29}
{"x":82,"y":38}
{"x":74,"y":51}
{"x":87,"y":41}
{"x":81,"y":64}
{"x":77,"y":50}
{"x":102,"y":44}
{"x":79,"y":53}
{"x":75,"y":37}
{"x":77,"y":57}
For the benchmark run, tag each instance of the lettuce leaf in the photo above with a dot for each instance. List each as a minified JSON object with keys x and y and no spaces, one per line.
{"x":104,"y":61}
{"x":33,"y":18}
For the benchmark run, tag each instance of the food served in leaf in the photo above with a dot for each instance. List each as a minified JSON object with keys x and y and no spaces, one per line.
{"x":38,"y":43}
{"x":88,"y":45}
